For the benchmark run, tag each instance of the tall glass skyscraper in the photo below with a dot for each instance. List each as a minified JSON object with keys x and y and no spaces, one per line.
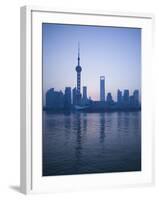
{"x":119,"y":96}
{"x":102,"y":88}
{"x":84,"y":93}
{"x":126,"y":97}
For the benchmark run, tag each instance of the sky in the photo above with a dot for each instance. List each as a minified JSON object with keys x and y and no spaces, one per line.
{"x":113,"y":52}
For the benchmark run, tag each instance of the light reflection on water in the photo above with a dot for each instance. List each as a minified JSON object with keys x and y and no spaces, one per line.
{"x":78,"y":143}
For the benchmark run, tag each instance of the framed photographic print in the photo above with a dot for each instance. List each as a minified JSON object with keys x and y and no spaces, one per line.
{"x":86,"y":100}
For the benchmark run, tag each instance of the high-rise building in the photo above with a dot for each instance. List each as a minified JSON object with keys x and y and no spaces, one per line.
{"x":84,"y":93}
{"x":131,"y":100}
{"x":74,"y":92}
{"x":136,"y":97}
{"x":119,"y":97}
{"x":58,"y":100}
{"x":50,"y":98}
{"x":109,"y":98}
{"x":102,"y":88}
{"x":126,"y":97}
{"x":78,"y":70}
{"x":67,"y":98}
{"x":54,"y":99}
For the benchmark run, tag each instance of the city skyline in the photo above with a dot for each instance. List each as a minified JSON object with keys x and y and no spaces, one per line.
{"x":63,"y":76}
{"x":101,"y":134}
{"x":73,"y":99}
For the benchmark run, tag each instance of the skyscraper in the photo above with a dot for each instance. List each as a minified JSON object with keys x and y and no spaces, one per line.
{"x":126,"y":97}
{"x":131,"y":101}
{"x":84,"y":93}
{"x":74,"y":92}
{"x":78,"y":70}
{"x":54,"y":99}
{"x":58,"y":102}
{"x":109,"y":98}
{"x":119,"y":97}
{"x":50,"y":98}
{"x":102,"y":88}
{"x":136,"y":97}
{"x":67,"y":98}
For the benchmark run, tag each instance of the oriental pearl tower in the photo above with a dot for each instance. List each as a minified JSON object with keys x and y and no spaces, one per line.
{"x":78,"y":70}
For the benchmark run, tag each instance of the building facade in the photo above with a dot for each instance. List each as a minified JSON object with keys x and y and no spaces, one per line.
{"x":74,"y":96}
{"x":54,"y":99}
{"x":102,"y":88}
{"x":119,"y":96}
{"x":85,"y":99}
{"x":67,"y":98}
{"x":126,"y":97}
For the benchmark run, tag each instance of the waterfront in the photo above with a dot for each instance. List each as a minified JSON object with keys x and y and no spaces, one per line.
{"x":78,"y":143}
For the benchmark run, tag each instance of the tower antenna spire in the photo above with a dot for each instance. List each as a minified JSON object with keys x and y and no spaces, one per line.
{"x":78,"y":53}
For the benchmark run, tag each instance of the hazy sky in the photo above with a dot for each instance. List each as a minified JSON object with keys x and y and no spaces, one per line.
{"x":112,"y":52}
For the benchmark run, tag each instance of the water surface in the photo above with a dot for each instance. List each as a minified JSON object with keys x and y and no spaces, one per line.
{"x":79,"y":143}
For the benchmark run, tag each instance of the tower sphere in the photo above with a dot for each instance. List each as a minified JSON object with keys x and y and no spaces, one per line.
{"x":78,"y":68}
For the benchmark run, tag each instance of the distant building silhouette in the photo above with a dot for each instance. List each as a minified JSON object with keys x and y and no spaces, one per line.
{"x":126,"y":97}
{"x":78,"y":70}
{"x":109,"y":98}
{"x":102,"y":88}
{"x":50,"y":98}
{"x":119,"y":97}
{"x":74,"y":96}
{"x":136,"y":97}
{"x":67,"y":98}
{"x":84,"y":95}
{"x":54,"y":99}
{"x":131,"y":101}
{"x":73,"y":100}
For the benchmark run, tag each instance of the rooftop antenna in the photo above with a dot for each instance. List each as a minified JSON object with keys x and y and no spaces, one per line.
{"x":78,"y":53}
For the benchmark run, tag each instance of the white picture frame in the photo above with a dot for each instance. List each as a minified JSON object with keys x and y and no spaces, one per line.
{"x":31,"y":123}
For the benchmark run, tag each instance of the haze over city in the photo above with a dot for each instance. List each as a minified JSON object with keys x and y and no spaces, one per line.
{"x":109,"y":51}
{"x":101,"y":134}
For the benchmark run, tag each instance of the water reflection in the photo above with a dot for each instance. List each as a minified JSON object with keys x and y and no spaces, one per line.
{"x":126,"y":122}
{"x":67,"y":122}
{"x":76,"y":143}
{"x":102,"y":127}
{"x":67,"y":125}
{"x":78,"y":135}
{"x":84,"y":123}
{"x":109,"y":123}
{"x":135,"y":122}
